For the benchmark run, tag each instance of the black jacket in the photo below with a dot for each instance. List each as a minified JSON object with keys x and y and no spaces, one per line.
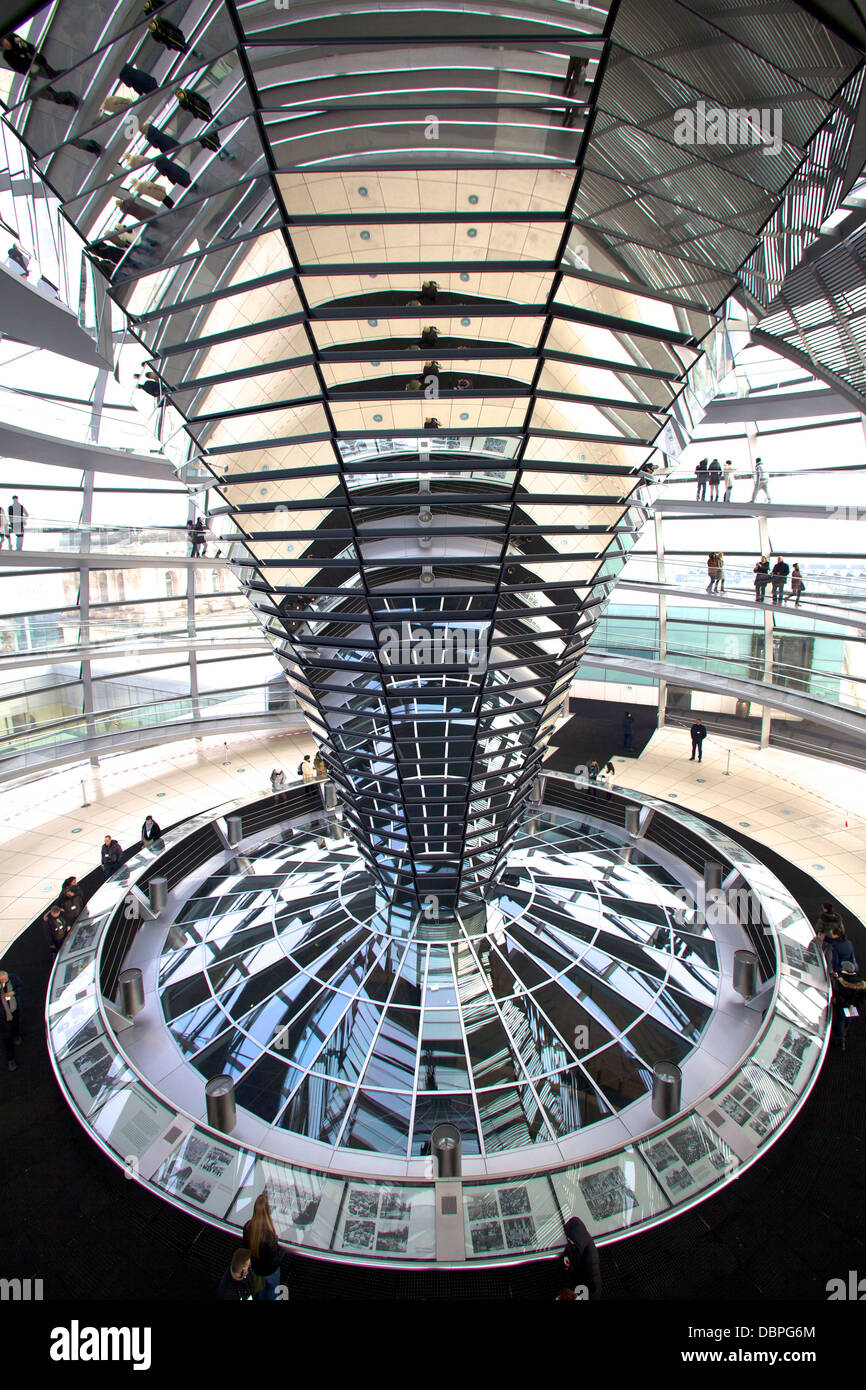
{"x":15,"y":985}
{"x":234,"y":1290}
{"x":111,"y":855}
{"x":154,"y":833}
{"x":56,"y":929}
{"x":698,"y":732}
{"x":578,"y":1263}
{"x":269,"y":1257}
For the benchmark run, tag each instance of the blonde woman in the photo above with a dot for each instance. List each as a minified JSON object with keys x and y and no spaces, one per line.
{"x":260,"y":1239}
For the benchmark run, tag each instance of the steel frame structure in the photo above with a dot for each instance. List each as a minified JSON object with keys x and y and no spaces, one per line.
{"x":584,"y":254}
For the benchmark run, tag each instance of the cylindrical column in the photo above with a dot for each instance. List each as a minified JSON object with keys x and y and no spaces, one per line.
{"x":632,"y":820}
{"x":221,"y":1112}
{"x":667,"y":1089}
{"x":131,"y":992}
{"x":234,"y":830}
{"x":176,"y":938}
{"x":157,"y":892}
{"x":712,"y":875}
{"x":445,"y":1143}
{"x":745,"y":979}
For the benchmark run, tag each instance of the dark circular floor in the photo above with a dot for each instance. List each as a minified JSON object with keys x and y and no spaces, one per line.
{"x":789,"y":1224}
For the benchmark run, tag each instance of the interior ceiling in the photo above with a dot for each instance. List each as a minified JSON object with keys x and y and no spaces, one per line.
{"x":528,"y":162}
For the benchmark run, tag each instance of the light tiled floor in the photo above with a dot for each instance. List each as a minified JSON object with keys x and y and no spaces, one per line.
{"x":795,"y":805}
{"x":798,"y":806}
{"x":46,"y":832}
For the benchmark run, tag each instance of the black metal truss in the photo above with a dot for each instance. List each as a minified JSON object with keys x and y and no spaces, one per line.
{"x":429,"y":548}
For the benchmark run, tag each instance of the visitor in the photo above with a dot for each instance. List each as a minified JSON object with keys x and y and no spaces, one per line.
{"x":606,"y":778}
{"x":21,"y":56}
{"x":429,"y":336}
{"x":779,"y":574}
{"x":760,"y":476}
{"x":199,"y":532}
{"x":260,"y":1238}
{"x":17,"y":521}
{"x":236,"y":1285}
{"x":275,"y":780}
{"x":111,"y":855}
{"x":71,"y":899}
{"x":762,"y":578}
{"x":712,"y":571}
{"x":627,"y":731}
{"x":728,"y":475}
{"x":702,"y":473}
{"x":715,"y":477}
{"x":150,"y":831}
{"x":141,"y":82}
{"x":319,"y":764}
{"x":195,"y":104}
{"x":5,"y":534}
{"x":10,"y":1015}
{"x":838,"y":949}
{"x":56,"y":927}
{"x":698,"y":732}
{"x":720,"y":572}
{"x":307,"y":771}
{"x":578,"y":1265}
{"x":429,"y":292}
{"x":798,"y":587}
{"x":848,"y":989}
{"x":592,"y":777}
{"x":828,"y":921}
{"x":168,"y":34}
{"x":19,"y":257}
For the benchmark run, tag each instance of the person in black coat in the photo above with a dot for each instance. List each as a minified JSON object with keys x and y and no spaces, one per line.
{"x":150,"y":831}
{"x":142,"y":82}
{"x":71,"y":899}
{"x":56,"y":927}
{"x":627,"y":730}
{"x":21,"y":56}
{"x":111,"y":854}
{"x":779,"y":577}
{"x":848,"y":989}
{"x":578,"y":1266}
{"x":10,"y":1015}
{"x":236,"y":1285}
{"x":698,"y":732}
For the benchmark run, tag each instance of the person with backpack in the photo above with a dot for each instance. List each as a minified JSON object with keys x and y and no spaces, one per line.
{"x":307,"y":771}
{"x":578,"y":1265}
